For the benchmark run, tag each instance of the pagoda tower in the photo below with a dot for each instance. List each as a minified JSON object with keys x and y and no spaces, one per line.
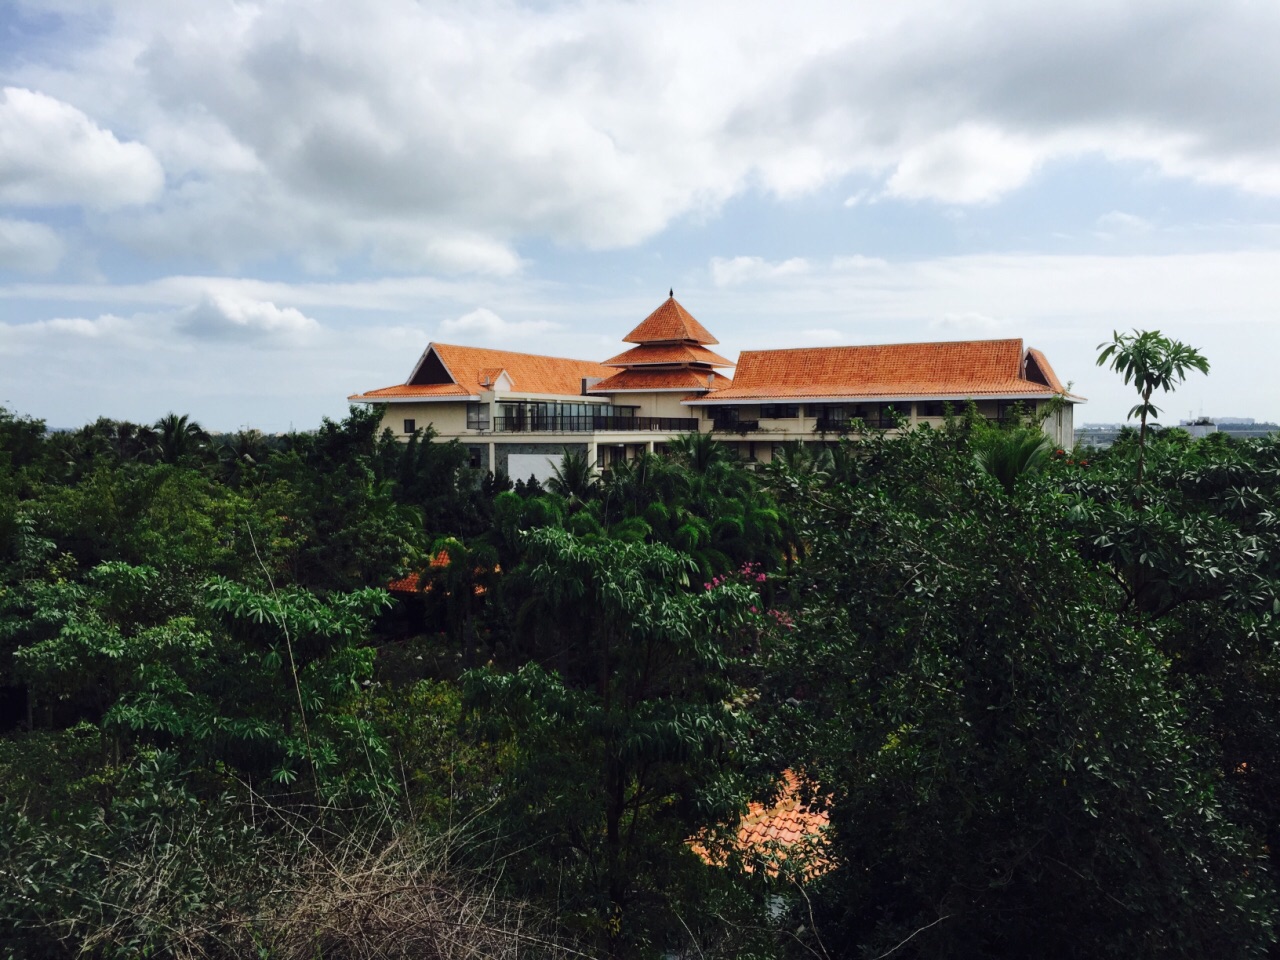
{"x":670,"y":355}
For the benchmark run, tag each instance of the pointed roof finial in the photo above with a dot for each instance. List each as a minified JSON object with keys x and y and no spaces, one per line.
{"x":672,"y":293}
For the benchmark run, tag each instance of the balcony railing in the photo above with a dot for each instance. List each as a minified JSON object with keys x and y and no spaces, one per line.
{"x":846,"y":425}
{"x":588,"y":424}
{"x":735,"y":426}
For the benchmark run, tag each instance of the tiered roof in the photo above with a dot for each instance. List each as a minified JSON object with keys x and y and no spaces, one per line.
{"x":671,"y":355}
{"x":650,"y":353}
{"x":670,"y":323}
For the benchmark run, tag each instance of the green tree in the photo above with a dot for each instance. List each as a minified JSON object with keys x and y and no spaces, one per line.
{"x":1013,"y":767}
{"x":1006,"y":455}
{"x":179,"y":439}
{"x":573,"y":477}
{"x":1150,"y":361}
{"x":621,"y":750}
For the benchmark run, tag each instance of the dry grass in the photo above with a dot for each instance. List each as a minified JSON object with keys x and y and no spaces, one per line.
{"x":287,"y":886}
{"x":400,"y":898}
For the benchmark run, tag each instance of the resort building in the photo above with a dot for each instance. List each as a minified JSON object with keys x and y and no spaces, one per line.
{"x":518,"y":412}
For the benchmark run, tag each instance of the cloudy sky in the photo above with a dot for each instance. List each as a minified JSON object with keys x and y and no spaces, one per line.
{"x":246,"y":211}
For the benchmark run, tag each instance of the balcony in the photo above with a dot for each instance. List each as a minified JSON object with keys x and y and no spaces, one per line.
{"x":590,"y":424}
{"x":740,"y":427}
{"x":846,"y":425}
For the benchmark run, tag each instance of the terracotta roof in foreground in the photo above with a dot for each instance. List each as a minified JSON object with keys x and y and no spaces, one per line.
{"x":787,"y":830}
{"x":670,"y":322}
{"x":422,"y":583}
{"x":648,"y":353}
{"x":657,"y":378}
{"x":968,"y":368}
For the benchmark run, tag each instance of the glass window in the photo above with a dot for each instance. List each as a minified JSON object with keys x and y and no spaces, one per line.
{"x":477,"y":416}
{"x":779,"y":411}
{"x":1011,"y":409}
{"x":409,"y":426}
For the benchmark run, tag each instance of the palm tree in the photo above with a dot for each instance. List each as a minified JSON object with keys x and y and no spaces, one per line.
{"x":698,"y":451}
{"x":179,"y":438}
{"x":1150,"y":361}
{"x":798,"y":459}
{"x":1007,"y":455}
{"x":574,"y":478}
{"x":239,"y":454}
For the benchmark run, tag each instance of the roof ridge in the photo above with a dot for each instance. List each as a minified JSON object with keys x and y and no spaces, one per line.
{"x":518,"y":353}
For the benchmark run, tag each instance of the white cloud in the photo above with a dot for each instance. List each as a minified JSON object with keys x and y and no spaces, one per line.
{"x":970,"y":164}
{"x":1117,"y":223}
{"x":736,"y":270}
{"x":221,"y":316}
{"x":29,"y":247}
{"x":406,"y":249}
{"x":483,"y":324}
{"x":858,"y":262}
{"x":52,"y":154}
{"x":445,"y":137}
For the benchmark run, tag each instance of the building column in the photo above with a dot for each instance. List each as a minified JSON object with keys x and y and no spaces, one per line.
{"x":592,"y":455}
{"x":649,"y":447}
{"x":493,"y":462}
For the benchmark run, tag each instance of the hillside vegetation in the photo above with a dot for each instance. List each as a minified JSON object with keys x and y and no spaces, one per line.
{"x":1036,"y":693}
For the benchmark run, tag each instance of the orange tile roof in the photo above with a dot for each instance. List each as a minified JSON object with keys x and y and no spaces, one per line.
{"x":529,"y":372}
{"x":424,"y":390}
{"x":1036,"y":359}
{"x":670,"y":322}
{"x":413,"y":582}
{"x":969,"y":368}
{"x":656,"y":378}
{"x":470,"y":366}
{"x":419,"y":582}
{"x":787,"y":830}
{"x":648,"y":353}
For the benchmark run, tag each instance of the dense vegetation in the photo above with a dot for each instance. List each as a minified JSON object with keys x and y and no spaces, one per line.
{"x":1038,"y":691}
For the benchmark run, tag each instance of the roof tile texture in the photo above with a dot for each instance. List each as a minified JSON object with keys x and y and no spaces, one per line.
{"x":964,"y":368}
{"x":656,"y":378}
{"x":788,"y":829}
{"x":529,"y":373}
{"x":669,"y":323}
{"x":668,"y":353}
{"x":427,"y":391}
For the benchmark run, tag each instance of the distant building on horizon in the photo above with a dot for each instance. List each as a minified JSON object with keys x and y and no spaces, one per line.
{"x":1100,"y":436}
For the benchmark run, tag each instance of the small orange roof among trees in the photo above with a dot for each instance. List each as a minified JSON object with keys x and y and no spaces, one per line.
{"x":670,"y":323}
{"x":789,"y":830}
